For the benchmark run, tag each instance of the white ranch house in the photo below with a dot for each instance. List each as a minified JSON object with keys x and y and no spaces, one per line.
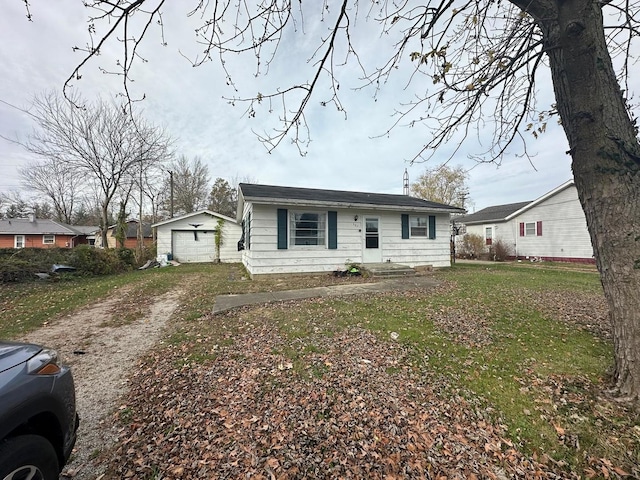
{"x":552,"y":227}
{"x":191,"y":238}
{"x":304,"y":230}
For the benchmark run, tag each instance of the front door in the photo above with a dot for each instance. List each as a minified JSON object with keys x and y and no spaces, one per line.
{"x":372,"y":248}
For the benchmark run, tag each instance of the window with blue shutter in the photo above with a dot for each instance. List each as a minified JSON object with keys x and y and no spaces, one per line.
{"x":432,"y":227}
{"x":248,"y":233}
{"x":282,"y":229}
{"x":333,"y":229}
{"x":405,"y":225}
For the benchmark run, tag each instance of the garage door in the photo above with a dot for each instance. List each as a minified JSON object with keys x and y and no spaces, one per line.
{"x":193,"y":247}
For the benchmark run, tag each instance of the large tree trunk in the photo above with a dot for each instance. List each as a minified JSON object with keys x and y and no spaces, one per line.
{"x":606,"y":167}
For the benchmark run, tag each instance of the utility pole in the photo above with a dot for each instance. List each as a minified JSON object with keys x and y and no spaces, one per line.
{"x":171,"y":200}
{"x":463,"y":197}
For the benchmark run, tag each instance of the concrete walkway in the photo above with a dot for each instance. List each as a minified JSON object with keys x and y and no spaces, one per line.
{"x":228,"y":302}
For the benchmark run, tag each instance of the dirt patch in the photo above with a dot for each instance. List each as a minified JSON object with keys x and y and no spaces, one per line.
{"x":101,"y":350}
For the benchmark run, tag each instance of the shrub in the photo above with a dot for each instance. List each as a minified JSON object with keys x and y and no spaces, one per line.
{"x":126,"y":256}
{"x":19,"y":265}
{"x":501,"y":251}
{"x":472,"y":246}
{"x":95,"y":261}
{"x":17,"y":270}
{"x":148,"y":253}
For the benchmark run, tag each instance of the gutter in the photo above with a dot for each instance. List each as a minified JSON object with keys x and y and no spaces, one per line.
{"x":362,"y":206}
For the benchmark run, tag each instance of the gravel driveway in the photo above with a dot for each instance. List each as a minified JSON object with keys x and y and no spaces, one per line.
{"x":101,"y":352}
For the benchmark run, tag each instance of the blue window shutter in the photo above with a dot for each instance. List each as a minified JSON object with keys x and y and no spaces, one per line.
{"x":248,"y":226}
{"x":333,"y":229}
{"x":282,"y":228}
{"x":432,"y":227}
{"x":405,"y":225}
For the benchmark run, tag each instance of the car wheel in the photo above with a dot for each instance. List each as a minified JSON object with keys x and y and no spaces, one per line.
{"x":28,"y":457}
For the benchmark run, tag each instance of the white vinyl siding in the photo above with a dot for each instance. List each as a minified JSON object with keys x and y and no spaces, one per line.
{"x":564,"y":228}
{"x":177,"y":237}
{"x":418,"y":250}
{"x":264,"y":257}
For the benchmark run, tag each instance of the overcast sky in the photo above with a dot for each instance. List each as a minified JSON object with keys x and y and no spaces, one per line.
{"x":345,"y":154}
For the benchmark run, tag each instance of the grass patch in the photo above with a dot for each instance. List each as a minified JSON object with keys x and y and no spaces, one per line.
{"x":28,"y":306}
{"x":499,"y":335}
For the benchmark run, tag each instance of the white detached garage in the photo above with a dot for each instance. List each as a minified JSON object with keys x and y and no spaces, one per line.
{"x":192,"y":238}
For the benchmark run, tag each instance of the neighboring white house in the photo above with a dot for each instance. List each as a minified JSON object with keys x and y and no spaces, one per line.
{"x":303,"y":230}
{"x":552,"y":227}
{"x":191,"y":238}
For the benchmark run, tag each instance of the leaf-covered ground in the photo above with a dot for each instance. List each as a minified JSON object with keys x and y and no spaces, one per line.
{"x":351,"y":407}
{"x":384,"y":386}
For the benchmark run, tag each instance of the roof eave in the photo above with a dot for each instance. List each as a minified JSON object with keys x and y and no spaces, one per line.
{"x":192,"y":214}
{"x":541,"y":199}
{"x":488,"y":220}
{"x":373,"y":206}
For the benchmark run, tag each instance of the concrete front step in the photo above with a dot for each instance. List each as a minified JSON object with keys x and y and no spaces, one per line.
{"x":388,"y":269}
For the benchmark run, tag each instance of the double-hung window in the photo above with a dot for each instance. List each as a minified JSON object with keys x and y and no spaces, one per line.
{"x":419,"y":226}
{"x":308,"y":228}
{"x":531,"y":229}
{"x":48,"y":239}
{"x":18,"y":241}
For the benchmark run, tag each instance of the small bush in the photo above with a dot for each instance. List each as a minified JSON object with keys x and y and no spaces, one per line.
{"x":501,"y":251}
{"x":20,"y":265}
{"x":17,"y":270}
{"x":148,"y":253}
{"x":126,"y":256}
{"x":472,"y":246}
{"x":95,"y":261}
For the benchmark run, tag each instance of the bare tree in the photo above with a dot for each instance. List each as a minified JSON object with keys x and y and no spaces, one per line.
{"x":148,"y":183}
{"x":478,"y":62}
{"x":56,"y":181}
{"x":190,"y":184}
{"x":101,"y":142}
{"x":442,"y":184}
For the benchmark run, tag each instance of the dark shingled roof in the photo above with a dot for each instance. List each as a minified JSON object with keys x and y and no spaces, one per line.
{"x":37,"y":226}
{"x":273,"y":193}
{"x":132,"y":229}
{"x":495,"y":213}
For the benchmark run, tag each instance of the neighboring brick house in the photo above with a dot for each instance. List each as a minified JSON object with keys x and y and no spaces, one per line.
{"x":131,"y":239}
{"x":35,"y":232}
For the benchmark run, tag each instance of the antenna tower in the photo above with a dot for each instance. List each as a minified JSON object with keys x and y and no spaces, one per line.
{"x":405,"y":183}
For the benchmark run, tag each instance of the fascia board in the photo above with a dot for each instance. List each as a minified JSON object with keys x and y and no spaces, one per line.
{"x":361,"y":206}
